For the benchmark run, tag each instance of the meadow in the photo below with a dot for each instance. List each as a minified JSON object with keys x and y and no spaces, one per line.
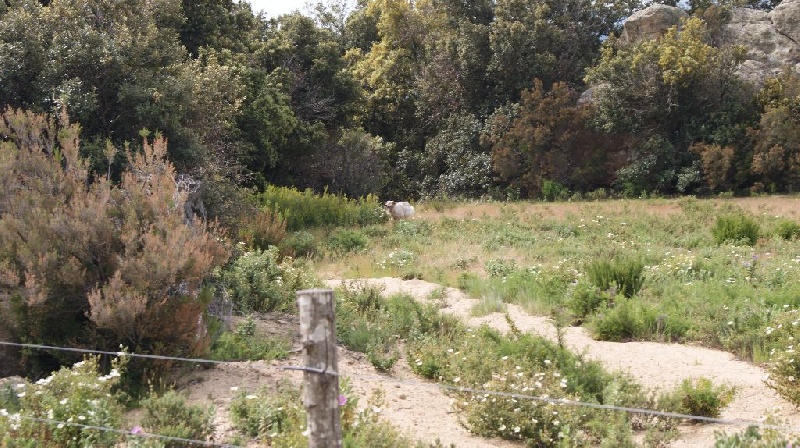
{"x":721,"y":273}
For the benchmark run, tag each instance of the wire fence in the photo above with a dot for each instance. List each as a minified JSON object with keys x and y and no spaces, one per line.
{"x":396,"y":381}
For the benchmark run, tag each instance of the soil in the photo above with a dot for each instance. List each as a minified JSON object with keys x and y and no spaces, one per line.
{"x":421,"y":410}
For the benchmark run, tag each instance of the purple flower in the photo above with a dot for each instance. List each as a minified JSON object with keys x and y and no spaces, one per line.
{"x":342,"y":400}
{"x":137,"y":430}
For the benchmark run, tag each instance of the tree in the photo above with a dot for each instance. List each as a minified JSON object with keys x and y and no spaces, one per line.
{"x":549,"y":138}
{"x":668,"y":94}
{"x":776,"y":154}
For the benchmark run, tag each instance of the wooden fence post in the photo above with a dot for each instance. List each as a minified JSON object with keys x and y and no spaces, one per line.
{"x":318,"y":333}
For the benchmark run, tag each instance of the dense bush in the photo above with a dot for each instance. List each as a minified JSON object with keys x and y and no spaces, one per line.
{"x":306,"y":209}
{"x":262,"y":229}
{"x":699,"y":397}
{"x":736,"y":228}
{"x":787,"y":229}
{"x":85,"y":262}
{"x":245,"y":344}
{"x":344,"y":241}
{"x":80,"y":394}
{"x":260,"y":281}
{"x":169,"y":415}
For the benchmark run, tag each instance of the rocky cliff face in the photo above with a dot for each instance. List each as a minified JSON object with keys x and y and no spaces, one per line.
{"x":772,"y":38}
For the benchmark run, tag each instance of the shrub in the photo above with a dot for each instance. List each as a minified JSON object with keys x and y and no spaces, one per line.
{"x":753,"y":437}
{"x":624,"y":321}
{"x":80,"y":395}
{"x":735,"y":228}
{"x":787,"y":229}
{"x":259,"y":281}
{"x":169,"y":415}
{"x":625,"y":275}
{"x":697,"y":397}
{"x":306,"y":209}
{"x":263,"y":229}
{"x":784,"y":364}
{"x":585,"y":299}
{"x":276,"y":416}
{"x":301,"y":244}
{"x":94,"y":264}
{"x":344,"y":241}
{"x":553,"y":191}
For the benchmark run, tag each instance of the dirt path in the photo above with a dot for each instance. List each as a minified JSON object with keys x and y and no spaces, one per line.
{"x":654,"y":365}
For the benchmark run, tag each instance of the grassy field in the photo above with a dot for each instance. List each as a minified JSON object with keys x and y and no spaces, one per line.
{"x":692,"y":284}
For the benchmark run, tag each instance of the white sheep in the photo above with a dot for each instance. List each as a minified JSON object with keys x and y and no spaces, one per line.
{"x":399,"y":210}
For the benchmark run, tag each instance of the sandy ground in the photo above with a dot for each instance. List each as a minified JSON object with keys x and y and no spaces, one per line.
{"x":423,"y":411}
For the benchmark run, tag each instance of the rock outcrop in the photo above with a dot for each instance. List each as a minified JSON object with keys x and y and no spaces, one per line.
{"x":772,"y":39}
{"x":651,"y":22}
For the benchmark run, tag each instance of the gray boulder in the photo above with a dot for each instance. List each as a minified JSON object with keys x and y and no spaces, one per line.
{"x":771,"y":39}
{"x":651,"y":22}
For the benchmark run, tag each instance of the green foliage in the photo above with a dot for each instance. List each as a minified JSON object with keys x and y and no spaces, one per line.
{"x":553,"y":191}
{"x":624,"y":320}
{"x":585,"y":299}
{"x":305,"y":209}
{"x":80,"y":395}
{"x":169,"y":415}
{"x":784,"y":368}
{"x":624,"y":275}
{"x":526,"y":364}
{"x":301,"y":244}
{"x":753,"y":437}
{"x":262,"y":281}
{"x":276,"y":416}
{"x":344,"y":241}
{"x":699,"y":397}
{"x":243,"y":344}
{"x":787,"y":229}
{"x":736,"y":228}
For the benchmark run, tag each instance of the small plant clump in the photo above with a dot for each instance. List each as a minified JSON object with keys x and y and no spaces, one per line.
{"x":169,"y":415}
{"x":736,"y":228}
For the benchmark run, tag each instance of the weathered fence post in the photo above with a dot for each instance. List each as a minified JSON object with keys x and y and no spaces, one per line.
{"x":318,"y":333}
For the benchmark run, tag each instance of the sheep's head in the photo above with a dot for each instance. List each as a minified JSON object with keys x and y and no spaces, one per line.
{"x":389,"y":204}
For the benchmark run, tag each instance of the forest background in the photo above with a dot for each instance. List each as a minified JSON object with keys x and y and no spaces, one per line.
{"x":407,"y":100}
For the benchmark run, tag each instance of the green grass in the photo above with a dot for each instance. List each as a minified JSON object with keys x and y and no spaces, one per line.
{"x":690,"y":270}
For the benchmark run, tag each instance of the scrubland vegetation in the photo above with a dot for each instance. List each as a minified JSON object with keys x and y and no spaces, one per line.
{"x":291,"y":129}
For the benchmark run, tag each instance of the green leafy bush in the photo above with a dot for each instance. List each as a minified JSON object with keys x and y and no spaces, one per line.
{"x":736,"y":228}
{"x":753,"y":437}
{"x":169,"y":415}
{"x":625,"y":275}
{"x":698,"y":397}
{"x":787,"y":229}
{"x":784,"y":364}
{"x":306,"y":209}
{"x":585,"y":299}
{"x":553,"y":191}
{"x":345,"y":241}
{"x":624,"y":320}
{"x":301,"y":244}
{"x":277,"y":415}
{"x":260,"y":281}
{"x":80,"y":394}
